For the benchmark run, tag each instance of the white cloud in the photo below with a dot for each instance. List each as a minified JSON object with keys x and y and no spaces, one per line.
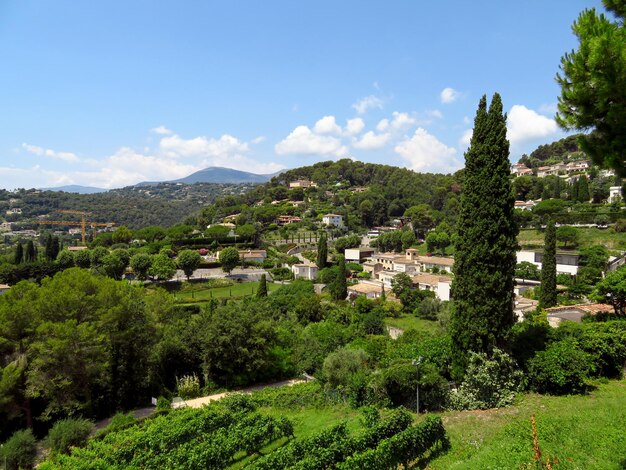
{"x":449,"y":95}
{"x":354,"y":126}
{"x":42,"y":152}
{"x":525,"y":124}
{"x":383,"y":125}
{"x":161,"y":130}
{"x":175,"y":146}
{"x":302,"y":141}
{"x":369,"y":102}
{"x":327,"y":125}
{"x":372,"y":141}
{"x":424,"y":152}
{"x":401,"y":120}
{"x":466,"y":138}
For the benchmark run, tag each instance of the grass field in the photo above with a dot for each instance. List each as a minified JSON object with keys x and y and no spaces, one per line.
{"x":589,"y":236}
{"x":406,"y":322}
{"x":237,"y":290}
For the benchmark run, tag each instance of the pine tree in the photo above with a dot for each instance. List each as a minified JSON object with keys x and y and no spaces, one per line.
{"x":19,"y":253}
{"x":322,"y":252}
{"x":583,"y":189}
{"x":49,"y":250}
{"x":485,"y":255}
{"x":547,"y":296}
{"x":262,"y":290}
{"x":574,"y":190}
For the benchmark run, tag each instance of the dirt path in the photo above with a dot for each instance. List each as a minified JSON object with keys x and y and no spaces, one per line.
{"x":198,"y":402}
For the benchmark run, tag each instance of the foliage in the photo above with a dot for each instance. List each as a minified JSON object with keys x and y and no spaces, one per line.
{"x":68,"y":433}
{"x":20,"y":450}
{"x":547,"y":297}
{"x":490,"y":382}
{"x":188,"y":386}
{"x":337,"y":285}
{"x":188,"y":261}
{"x":229,"y":258}
{"x":613,"y":289}
{"x":341,"y":365}
{"x":322,"y":252}
{"x":592,"y":85}
{"x":561,"y":369}
{"x":262,"y":290}
{"x":487,"y":238}
{"x":162,"y":267}
{"x":141,"y":264}
{"x":350,"y":241}
{"x":567,"y":235}
{"x":526,"y":270}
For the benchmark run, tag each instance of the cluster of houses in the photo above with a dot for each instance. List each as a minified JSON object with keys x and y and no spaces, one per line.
{"x":559,"y":169}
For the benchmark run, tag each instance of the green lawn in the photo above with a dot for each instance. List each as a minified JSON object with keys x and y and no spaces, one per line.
{"x":586,"y":432}
{"x":237,"y":290}
{"x":589,"y":236}
{"x":406,"y":322}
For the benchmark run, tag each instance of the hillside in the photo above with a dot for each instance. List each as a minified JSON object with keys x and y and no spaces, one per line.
{"x":216,"y":174}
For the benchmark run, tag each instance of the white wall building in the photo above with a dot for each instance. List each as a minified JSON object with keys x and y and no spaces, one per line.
{"x":304,"y":271}
{"x":566,"y":263}
{"x":333,"y":219}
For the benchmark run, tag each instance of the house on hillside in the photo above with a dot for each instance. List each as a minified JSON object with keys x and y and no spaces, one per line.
{"x":333,"y":219}
{"x":252,"y":256}
{"x":525,"y":205}
{"x":519,"y":169}
{"x":302,"y":184}
{"x":440,"y":285}
{"x":575,"y":313}
{"x":287,"y":219}
{"x":369,"y":289}
{"x":305,"y":271}
{"x":566,"y":262}
{"x":4,"y":288}
{"x":440,"y":262}
{"x":357,"y":255}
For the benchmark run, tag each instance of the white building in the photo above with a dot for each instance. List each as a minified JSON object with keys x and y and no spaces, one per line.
{"x":440,"y":285}
{"x":333,"y":219}
{"x":357,"y":255}
{"x":566,"y":263}
{"x":304,"y":271}
{"x":615,"y":193}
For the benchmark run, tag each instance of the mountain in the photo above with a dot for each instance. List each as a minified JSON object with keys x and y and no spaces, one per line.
{"x":216,"y":174}
{"x":75,"y":188}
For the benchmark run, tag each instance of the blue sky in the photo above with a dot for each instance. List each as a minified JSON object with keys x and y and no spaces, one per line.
{"x":110,"y":93}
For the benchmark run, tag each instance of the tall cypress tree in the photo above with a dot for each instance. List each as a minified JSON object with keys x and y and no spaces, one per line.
{"x":574,"y":190}
{"x":262,"y":290}
{"x":486,"y":245}
{"x":583,"y":189}
{"x":31,"y":252}
{"x":19,"y":253}
{"x":547,"y":297}
{"x":322,"y":252}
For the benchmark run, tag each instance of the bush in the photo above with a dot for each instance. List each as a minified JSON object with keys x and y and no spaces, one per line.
{"x":121,"y":421}
{"x":188,"y":386}
{"x":490,"y":382}
{"x":20,"y":450}
{"x":68,"y":433}
{"x":164,"y":404}
{"x":400,"y":380}
{"x":561,"y":369}
{"x":429,"y":308}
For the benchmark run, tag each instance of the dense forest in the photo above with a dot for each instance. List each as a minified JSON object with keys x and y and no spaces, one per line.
{"x":554,"y":152}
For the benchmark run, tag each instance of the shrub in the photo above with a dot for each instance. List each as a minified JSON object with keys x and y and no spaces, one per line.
{"x":429,"y":308}
{"x":188,"y":386}
{"x":490,"y":382}
{"x":20,"y":450}
{"x":164,"y":404}
{"x":68,"y":433}
{"x":400,"y":382}
{"x":561,"y":369}
{"x":340,"y":365}
{"x":121,"y":421}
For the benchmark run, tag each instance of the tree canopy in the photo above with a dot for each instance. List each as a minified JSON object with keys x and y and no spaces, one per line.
{"x":593,"y":85}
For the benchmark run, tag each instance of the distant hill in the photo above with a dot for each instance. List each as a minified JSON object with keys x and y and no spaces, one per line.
{"x":75,"y":188}
{"x":216,"y":174}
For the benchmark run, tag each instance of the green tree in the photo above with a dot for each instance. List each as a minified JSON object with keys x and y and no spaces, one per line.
{"x":262,"y":290}
{"x":485,"y":254}
{"x":140,"y":263}
{"x":31,"y":252}
{"x":583,"y":189}
{"x":65,"y":259}
{"x":567,"y":235}
{"x":162,"y":268}
{"x":229,"y":258}
{"x":593,"y":88}
{"x":188,"y":261}
{"x":421,"y":218}
{"x":613,"y":289}
{"x":19,"y":253}
{"x":547,"y":296}
{"x":338,"y":287}
{"x":526,"y":270}
{"x":97,"y":256}
{"x":114,"y":264}
{"x":122,"y":235}
{"x":322,"y":252}
{"x":83,"y":259}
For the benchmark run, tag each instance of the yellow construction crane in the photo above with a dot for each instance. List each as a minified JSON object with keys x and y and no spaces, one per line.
{"x":83,"y":223}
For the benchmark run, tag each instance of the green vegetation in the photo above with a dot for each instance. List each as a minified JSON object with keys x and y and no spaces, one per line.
{"x":487,"y":238}
{"x":587,"y":237}
{"x":547,"y":297}
{"x":200,"y":293}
